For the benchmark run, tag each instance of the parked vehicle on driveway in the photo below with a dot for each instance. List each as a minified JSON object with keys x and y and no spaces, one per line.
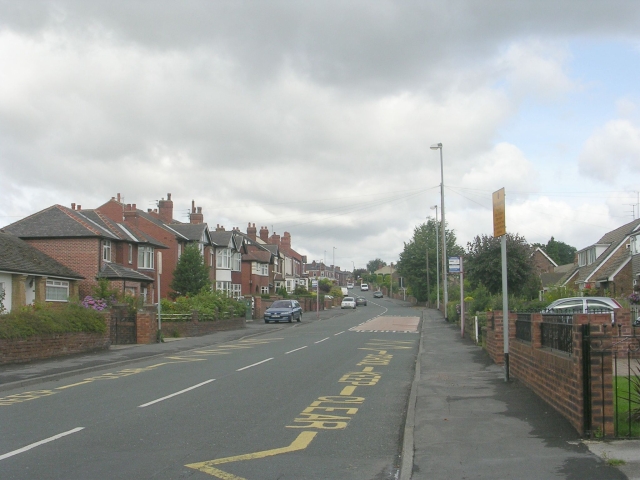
{"x":283,"y":311}
{"x":361,"y":301}
{"x":583,"y":305}
{"x":348,"y":302}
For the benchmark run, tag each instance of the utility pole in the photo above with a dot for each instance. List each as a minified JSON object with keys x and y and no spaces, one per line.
{"x":428,"y":286}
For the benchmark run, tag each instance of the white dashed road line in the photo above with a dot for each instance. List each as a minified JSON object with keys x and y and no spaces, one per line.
{"x":41,"y":442}
{"x":174,"y":394}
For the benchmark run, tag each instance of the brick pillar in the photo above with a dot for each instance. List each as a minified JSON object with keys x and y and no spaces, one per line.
{"x":18,"y":291}
{"x":536,"y":330}
{"x":602,"y":411}
{"x":146,"y":326}
{"x":497,"y":348}
{"x":41,"y":289}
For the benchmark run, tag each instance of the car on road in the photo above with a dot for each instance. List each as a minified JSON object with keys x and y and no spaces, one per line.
{"x":348,"y":302}
{"x":361,"y":301}
{"x":583,"y":305}
{"x":283,"y":311}
{"x":364,"y":287}
{"x":377,"y":294}
{"x":349,"y":286}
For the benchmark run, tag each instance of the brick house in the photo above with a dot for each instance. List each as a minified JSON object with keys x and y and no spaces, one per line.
{"x":159,"y":224}
{"x":607,"y":265}
{"x":29,"y":276}
{"x":90,"y":243}
{"x":225,"y":260}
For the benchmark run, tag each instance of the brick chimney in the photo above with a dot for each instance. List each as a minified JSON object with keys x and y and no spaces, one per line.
{"x":252,"y":231}
{"x":275,"y":239}
{"x":196,"y":216}
{"x":264,"y":234}
{"x":286,"y":240}
{"x":165,"y":208}
{"x":220,"y":228}
{"x":129,"y":211}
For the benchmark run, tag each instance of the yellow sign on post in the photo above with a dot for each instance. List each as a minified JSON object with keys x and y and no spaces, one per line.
{"x":499,"y":226}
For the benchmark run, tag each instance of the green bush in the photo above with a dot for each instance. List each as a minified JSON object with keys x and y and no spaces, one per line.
{"x":215,"y":304}
{"x":47,"y":320}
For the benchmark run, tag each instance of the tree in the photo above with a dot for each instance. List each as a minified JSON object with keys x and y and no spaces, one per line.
{"x":560,"y":252}
{"x":483,"y":265}
{"x":376,"y":264}
{"x":412,"y":265}
{"x":191,"y":274}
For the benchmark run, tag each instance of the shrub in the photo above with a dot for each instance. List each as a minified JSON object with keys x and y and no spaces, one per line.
{"x":47,"y":320}
{"x":215,"y":304}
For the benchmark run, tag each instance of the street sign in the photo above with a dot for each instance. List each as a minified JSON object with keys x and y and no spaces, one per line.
{"x":314,"y":283}
{"x":454,"y":264}
{"x":499,"y":226}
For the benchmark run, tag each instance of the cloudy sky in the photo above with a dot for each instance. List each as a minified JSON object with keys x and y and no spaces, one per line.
{"x":316,"y":117}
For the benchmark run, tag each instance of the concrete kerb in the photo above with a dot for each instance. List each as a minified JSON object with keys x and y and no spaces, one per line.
{"x":406,"y":465}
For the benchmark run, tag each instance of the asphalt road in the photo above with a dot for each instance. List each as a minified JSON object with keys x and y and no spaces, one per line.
{"x":313,"y":400}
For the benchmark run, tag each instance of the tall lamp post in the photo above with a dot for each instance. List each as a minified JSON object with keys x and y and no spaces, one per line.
{"x":438,"y":146}
{"x":437,"y":258}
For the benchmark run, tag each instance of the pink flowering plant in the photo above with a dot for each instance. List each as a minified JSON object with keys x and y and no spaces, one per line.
{"x":97,"y":304}
{"x":634,"y":298}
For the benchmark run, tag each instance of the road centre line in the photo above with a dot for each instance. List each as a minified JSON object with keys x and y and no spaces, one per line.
{"x":291,"y":351}
{"x":320,"y":341}
{"x":339,"y":333}
{"x":174,"y":394}
{"x":41,"y":442}
{"x":254,"y":364}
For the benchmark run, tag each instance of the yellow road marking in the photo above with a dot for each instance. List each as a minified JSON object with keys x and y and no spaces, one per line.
{"x":348,"y":391}
{"x":300,"y":443}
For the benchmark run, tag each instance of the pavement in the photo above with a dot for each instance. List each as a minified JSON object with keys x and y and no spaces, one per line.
{"x":466,"y":422}
{"x":463,"y":420}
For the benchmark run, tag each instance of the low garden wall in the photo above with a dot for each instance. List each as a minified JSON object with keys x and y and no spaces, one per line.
{"x":48,"y":346}
{"x":196,"y":327}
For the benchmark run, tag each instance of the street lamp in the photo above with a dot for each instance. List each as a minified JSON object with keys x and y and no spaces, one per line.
{"x":437,"y":257}
{"x":438,"y":146}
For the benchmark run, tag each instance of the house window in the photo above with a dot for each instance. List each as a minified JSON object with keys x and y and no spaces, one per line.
{"x":263,"y":269}
{"x":236,"y":262}
{"x":145,"y":257}
{"x":264,"y":290}
{"x":130,"y":253}
{"x":57,"y":291}
{"x":236,"y":290}
{"x":223,"y":258}
{"x":106,"y":250}
{"x":223,"y":287}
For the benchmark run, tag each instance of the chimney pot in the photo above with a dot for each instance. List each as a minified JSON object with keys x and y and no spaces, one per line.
{"x":73,"y":206}
{"x":79,"y":207}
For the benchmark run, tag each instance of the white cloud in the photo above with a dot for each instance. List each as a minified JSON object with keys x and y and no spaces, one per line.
{"x":611,"y":150}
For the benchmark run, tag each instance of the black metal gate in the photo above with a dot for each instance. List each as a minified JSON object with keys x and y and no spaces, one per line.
{"x":123,"y":326}
{"x":623,"y":351}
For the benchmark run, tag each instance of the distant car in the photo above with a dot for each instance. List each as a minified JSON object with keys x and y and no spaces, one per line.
{"x":348,"y":302}
{"x":361,"y":301}
{"x":377,"y":294}
{"x":364,"y":287}
{"x":345,"y":292}
{"x":283,"y":311}
{"x":349,"y":286}
{"x":583,"y":305}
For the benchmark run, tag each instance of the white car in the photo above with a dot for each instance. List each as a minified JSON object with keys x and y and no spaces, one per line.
{"x":364,"y":287}
{"x":348,"y":302}
{"x":349,"y":286}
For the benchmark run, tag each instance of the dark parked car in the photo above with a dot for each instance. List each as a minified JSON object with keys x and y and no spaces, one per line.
{"x":361,"y":301}
{"x":283,"y":311}
{"x":377,"y":294}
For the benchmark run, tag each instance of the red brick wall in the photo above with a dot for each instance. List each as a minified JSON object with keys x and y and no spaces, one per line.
{"x":82,"y":255}
{"x":146,"y":326}
{"x":38,"y":348}
{"x":557,"y":377}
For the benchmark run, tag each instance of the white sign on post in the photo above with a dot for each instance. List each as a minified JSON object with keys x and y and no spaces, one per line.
{"x":454,"y":264}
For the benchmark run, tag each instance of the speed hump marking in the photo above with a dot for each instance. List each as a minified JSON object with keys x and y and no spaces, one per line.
{"x":300,"y":443}
{"x":389,"y":324}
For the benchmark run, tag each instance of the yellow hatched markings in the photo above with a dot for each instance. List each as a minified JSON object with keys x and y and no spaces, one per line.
{"x":300,"y":443}
{"x":220,"y":350}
